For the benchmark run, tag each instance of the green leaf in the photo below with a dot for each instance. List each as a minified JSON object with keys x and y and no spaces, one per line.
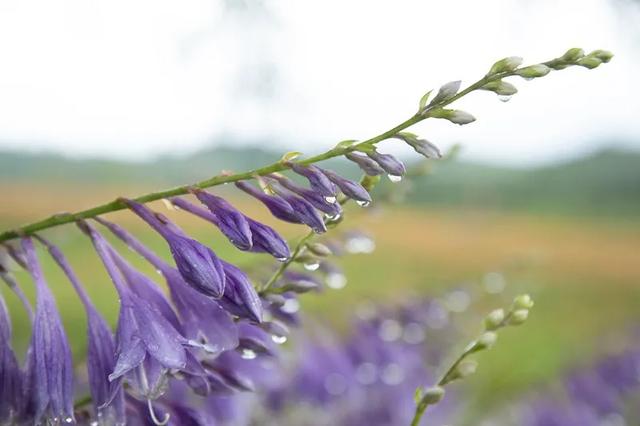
{"x":423,"y":100}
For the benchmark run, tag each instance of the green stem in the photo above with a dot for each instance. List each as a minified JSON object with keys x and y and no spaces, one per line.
{"x":65,"y":218}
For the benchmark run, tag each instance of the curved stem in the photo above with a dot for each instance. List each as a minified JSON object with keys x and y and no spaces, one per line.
{"x":65,"y":218}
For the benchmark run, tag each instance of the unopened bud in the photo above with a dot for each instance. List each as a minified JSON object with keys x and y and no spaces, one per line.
{"x":589,"y":62}
{"x":572,"y":55}
{"x":519,"y":317}
{"x":426,"y":148}
{"x":432,"y":395}
{"x":453,"y":115}
{"x":501,"y":88}
{"x":486,"y":341}
{"x":319,"y":249}
{"x":464,"y":369}
{"x":534,"y":71}
{"x":446,"y":91}
{"x":506,"y":65}
{"x":494,"y":320}
{"x":604,"y":55}
{"x":524,"y":301}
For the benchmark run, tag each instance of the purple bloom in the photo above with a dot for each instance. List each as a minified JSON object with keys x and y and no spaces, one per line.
{"x":50,"y":386}
{"x":202,"y":318}
{"x":231,"y":222}
{"x":9,"y":279}
{"x":241,"y":294}
{"x":265,"y":239}
{"x":367,"y":165}
{"x":148,"y":347}
{"x":255,"y":339}
{"x":278,"y":206}
{"x":323,"y":203}
{"x":350,"y":188}
{"x":100,"y":350}
{"x":198,"y":264}
{"x":305,"y":211}
{"x":388,"y":162}
{"x":317,"y":179}
{"x":11,"y":377}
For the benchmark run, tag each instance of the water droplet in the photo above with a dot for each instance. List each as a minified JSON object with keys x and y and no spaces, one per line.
{"x":311,"y":266}
{"x":282,"y":259}
{"x":336,"y":280}
{"x":505,"y":98}
{"x":330,"y":200}
{"x":363,"y":203}
{"x":248,"y":354}
{"x":394,"y":178}
{"x":278,"y":339}
{"x":68,"y":420}
{"x":291,"y":306}
{"x":528,"y":78}
{"x":333,"y":217}
{"x":158,"y":271}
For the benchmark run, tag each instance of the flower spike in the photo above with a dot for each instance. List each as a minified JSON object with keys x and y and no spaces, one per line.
{"x":317,"y":179}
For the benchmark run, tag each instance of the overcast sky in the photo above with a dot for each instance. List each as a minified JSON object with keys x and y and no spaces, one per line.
{"x":138,"y":78}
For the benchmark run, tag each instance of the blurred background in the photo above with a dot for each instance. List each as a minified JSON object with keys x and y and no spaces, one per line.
{"x":107,"y":98}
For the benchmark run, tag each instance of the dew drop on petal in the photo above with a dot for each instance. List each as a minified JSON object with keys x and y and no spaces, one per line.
{"x":528,"y":78}
{"x":278,"y":339}
{"x":505,"y":98}
{"x":394,"y":178}
{"x":363,"y":203}
{"x":291,"y":306}
{"x":311,"y":266}
{"x":68,"y":420}
{"x":282,"y":259}
{"x":330,"y":200}
{"x":248,"y":354}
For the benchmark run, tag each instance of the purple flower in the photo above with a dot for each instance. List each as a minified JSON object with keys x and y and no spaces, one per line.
{"x":317,"y":179}
{"x":202,"y":318}
{"x":305,"y":211}
{"x":350,"y":188}
{"x":9,"y":279}
{"x":255,"y":340}
{"x":100,"y":350}
{"x":231,"y":222}
{"x":50,"y":386}
{"x":323,"y":203}
{"x":241,"y":294}
{"x":11,"y":377}
{"x":265,"y":239}
{"x":388,"y":162}
{"x":278,"y":206}
{"x":198,"y":264}
{"x":367,"y":165}
{"x":148,"y":347}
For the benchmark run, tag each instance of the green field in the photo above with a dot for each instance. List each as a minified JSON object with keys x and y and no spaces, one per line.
{"x":583,"y":273}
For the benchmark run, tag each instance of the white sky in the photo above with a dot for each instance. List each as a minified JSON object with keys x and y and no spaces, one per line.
{"x":138,"y":78}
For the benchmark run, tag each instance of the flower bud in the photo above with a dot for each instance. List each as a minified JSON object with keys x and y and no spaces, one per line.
{"x":446,"y":91}
{"x":506,"y":65}
{"x":370,"y":167}
{"x":604,"y":55}
{"x":519,"y":317}
{"x":572,"y":55}
{"x":493,"y":321}
{"x":464,"y":369}
{"x":432,"y":395}
{"x":486,"y":341}
{"x":319,"y":249}
{"x":453,"y":115}
{"x":523,"y":301}
{"x":501,"y":88}
{"x":533,"y":71}
{"x":589,"y":62}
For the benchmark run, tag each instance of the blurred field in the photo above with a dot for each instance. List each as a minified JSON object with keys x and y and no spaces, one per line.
{"x":583,"y":273}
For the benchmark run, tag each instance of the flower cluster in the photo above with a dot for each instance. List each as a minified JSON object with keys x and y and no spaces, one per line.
{"x":215,"y":333}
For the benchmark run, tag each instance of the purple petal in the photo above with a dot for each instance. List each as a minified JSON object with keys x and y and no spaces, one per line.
{"x":242,"y":291}
{"x":349,"y":188}
{"x":388,"y":162}
{"x":367,"y":165}
{"x":278,"y":206}
{"x":317,"y":180}
{"x":231,"y":222}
